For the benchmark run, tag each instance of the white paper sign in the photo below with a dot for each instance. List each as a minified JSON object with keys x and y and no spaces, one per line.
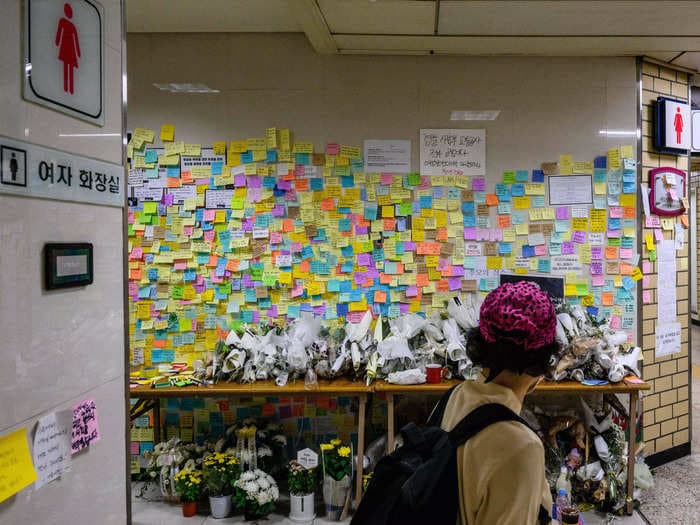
{"x":147,"y":194}
{"x":570,"y":189}
{"x":387,"y":156}
{"x":565,"y":263}
{"x":205,"y":159}
{"x":188,"y":191}
{"x":668,"y":339}
{"x":52,"y":446}
{"x":453,"y":152}
{"x":666,"y":295}
{"x":218,"y":199}
{"x":307,"y":458}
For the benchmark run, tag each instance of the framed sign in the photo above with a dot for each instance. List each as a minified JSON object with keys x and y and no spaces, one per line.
{"x":67,"y":265}
{"x":672,"y":126}
{"x":667,"y":190}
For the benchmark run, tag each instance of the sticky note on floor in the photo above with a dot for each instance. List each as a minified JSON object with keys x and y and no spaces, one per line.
{"x":16,"y":468}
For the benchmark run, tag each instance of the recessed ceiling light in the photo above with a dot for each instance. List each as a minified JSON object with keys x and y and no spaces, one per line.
{"x":479,"y":114}
{"x":186,"y":88}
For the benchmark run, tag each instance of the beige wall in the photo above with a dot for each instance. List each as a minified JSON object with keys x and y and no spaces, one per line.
{"x":666,"y":406}
{"x":60,"y":347}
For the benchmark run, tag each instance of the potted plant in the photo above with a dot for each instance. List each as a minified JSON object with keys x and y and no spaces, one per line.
{"x":221,"y":470}
{"x":255,"y":493}
{"x":188,"y":484}
{"x":302,"y":482}
{"x":337,"y":471}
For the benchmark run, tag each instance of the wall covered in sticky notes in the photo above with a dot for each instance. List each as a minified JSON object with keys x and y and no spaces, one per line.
{"x":266,"y":235}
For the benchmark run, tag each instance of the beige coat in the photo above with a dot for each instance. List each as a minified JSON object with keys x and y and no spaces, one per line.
{"x":501,"y":469}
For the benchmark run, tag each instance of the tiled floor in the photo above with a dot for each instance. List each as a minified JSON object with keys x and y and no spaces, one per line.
{"x":673,"y":500}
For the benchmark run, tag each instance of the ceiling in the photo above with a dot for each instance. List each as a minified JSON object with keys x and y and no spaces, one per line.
{"x":665,"y":30}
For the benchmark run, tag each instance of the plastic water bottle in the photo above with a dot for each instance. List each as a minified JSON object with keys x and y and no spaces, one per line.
{"x":563,"y":481}
{"x":562,"y":501}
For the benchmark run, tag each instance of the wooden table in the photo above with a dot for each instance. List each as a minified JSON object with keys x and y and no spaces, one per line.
{"x":570,"y":387}
{"x":294,"y":388}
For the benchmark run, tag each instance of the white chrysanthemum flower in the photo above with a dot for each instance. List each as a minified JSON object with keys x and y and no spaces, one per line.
{"x":264,"y":451}
{"x":158,"y":449}
{"x":264,"y":484}
{"x":247,"y":476}
{"x":190,"y":464}
{"x":280,"y":439}
{"x":274,"y":491}
{"x":251,"y":487}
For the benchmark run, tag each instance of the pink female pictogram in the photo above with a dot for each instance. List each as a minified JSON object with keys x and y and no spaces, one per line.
{"x":68,"y":47}
{"x":678,"y":125}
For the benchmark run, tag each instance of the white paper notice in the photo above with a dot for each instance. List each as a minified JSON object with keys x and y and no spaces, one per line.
{"x":52,"y":446}
{"x":392,"y":156}
{"x":217,"y":199}
{"x":453,"y":152}
{"x":668,"y":339}
{"x":570,"y":189}
{"x":666,"y":274}
{"x":680,"y":236}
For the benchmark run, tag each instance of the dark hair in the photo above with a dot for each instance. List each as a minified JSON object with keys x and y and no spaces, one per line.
{"x":506,"y":354}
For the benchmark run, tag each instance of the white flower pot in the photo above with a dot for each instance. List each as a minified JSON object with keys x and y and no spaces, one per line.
{"x":220,"y":506}
{"x":334,"y":495}
{"x":301,"y":508}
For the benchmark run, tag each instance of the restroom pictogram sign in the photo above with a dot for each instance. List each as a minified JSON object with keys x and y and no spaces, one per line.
{"x":63,"y":53}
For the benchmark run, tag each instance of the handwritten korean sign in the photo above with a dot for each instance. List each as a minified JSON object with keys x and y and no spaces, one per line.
{"x":453,"y":152}
{"x":85,"y":426}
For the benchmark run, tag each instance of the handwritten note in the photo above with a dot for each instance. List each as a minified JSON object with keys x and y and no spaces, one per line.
{"x":52,"y":446}
{"x":16,"y":469}
{"x":85,"y":426}
{"x":453,"y":152}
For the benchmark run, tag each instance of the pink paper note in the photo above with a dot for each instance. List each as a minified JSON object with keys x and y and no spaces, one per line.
{"x":209,"y":215}
{"x":562,"y":213}
{"x":579,"y":236}
{"x":479,"y":183}
{"x":659,"y":235}
{"x":86,"y":429}
{"x":387,"y":178}
{"x":646,"y":296}
{"x":541,"y":249}
{"x":598,"y":280}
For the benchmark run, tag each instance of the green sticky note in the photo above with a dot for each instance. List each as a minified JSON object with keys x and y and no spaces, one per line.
{"x":149,"y":208}
{"x":414,"y":179}
{"x":652,"y":255}
{"x":508,"y":177}
{"x":405,"y":208}
{"x":185,"y":324}
{"x":237,"y":203}
{"x":177,"y":292}
{"x":581,"y":289}
{"x":269,"y":279}
{"x":613,"y":241}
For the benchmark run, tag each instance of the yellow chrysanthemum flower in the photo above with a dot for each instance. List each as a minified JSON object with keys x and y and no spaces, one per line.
{"x":326,"y":447}
{"x":335,"y":442}
{"x":344,"y":451}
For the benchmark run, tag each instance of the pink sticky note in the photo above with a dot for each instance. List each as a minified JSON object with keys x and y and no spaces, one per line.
{"x":469,"y":234}
{"x":579,"y":236}
{"x":562,"y":213}
{"x":596,"y":253}
{"x":332,"y":148}
{"x":412,"y":291}
{"x":615,"y":321}
{"x":614,"y":234}
{"x":646,"y":296}
{"x":652,"y":221}
{"x":387,"y":178}
{"x":567,"y":248}
{"x":541,"y":249}
{"x":659,"y":235}
{"x":479,"y":183}
{"x":86,"y":429}
{"x":616,"y":212}
{"x":646,"y":267}
{"x":598,"y":280}
{"x":134,"y":448}
{"x":180,"y":265}
{"x":275,"y":237}
{"x":209,"y":215}
{"x":209,"y":235}
{"x":239,"y":180}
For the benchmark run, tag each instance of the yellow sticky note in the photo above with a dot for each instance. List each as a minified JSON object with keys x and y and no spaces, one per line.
{"x":271,"y":138}
{"x":614,"y":158}
{"x":566,"y":164}
{"x":219,"y":147}
{"x":16,"y":468}
{"x":637,"y":274}
{"x":167,"y":132}
{"x":150,"y":207}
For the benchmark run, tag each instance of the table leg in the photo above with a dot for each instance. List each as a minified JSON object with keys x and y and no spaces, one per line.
{"x":390,"y":423}
{"x":360,"y":447}
{"x":632,"y":425}
{"x":156,"y":421}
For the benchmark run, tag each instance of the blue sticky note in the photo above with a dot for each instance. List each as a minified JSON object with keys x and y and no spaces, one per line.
{"x":426,"y":201}
{"x":173,"y":171}
{"x":303,"y":158}
{"x":370,"y":212}
{"x":517,"y":190}
{"x":247,"y":157}
{"x":600,"y":162}
{"x":537,"y":176}
{"x":347,"y":181}
{"x":316,"y":184}
{"x":216,"y":167}
{"x":528,"y":251}
{"x":271,"y":156}
{"x":159,"y":355}
{"x":151,"y":156}
{"x":543,"y":265}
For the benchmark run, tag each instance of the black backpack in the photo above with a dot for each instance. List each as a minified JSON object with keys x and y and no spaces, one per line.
{"x":417,"y":483}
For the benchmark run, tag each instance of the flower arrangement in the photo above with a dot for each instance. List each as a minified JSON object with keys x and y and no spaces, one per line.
{"x":221,"y":470}
{"x":255,"y":493}
{"x":337,"y":460}
{"x":302,"y":481}
{"x":188,"y":484}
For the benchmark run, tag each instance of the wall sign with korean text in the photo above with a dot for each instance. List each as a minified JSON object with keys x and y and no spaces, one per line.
{"x":64,"y":57}
{"x":36,"y":171}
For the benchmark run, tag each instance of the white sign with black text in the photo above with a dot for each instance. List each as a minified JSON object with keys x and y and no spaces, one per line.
{"x":36,"y":171}
{"x":453,"y":152}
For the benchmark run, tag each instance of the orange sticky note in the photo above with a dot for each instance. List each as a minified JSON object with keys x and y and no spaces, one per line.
{"x":379,"y":297}
{"x":213,"y":261}
{"x":422,"y":279}
{"x":443,"y":285}
{"x":606,"y":298}
{"x":301,"y":184}
{"x":328,"y":204}
{"x":305,"y":266}
{"x":173,"y":182}
{"x":504,"y":221}
{"x":611,"y":252}
{"x":287,"y":225}
{"x":492,"y":199}
{"x":385,"y":278}
{"x":441,"y":234}
{"x":232,"y":265}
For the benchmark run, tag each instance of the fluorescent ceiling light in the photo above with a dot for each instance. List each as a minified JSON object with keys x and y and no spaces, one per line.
{"x":619,"y":133}
{"x":186,"y":88}
{"x":89,"y":134}
{"x":479,"y":114}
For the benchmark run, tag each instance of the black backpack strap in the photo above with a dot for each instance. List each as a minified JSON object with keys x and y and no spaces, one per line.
{"x":435,"y":418}
{"x":480,"y":418}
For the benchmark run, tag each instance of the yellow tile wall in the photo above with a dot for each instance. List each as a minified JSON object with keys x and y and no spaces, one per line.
{"x":665,"y":407}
